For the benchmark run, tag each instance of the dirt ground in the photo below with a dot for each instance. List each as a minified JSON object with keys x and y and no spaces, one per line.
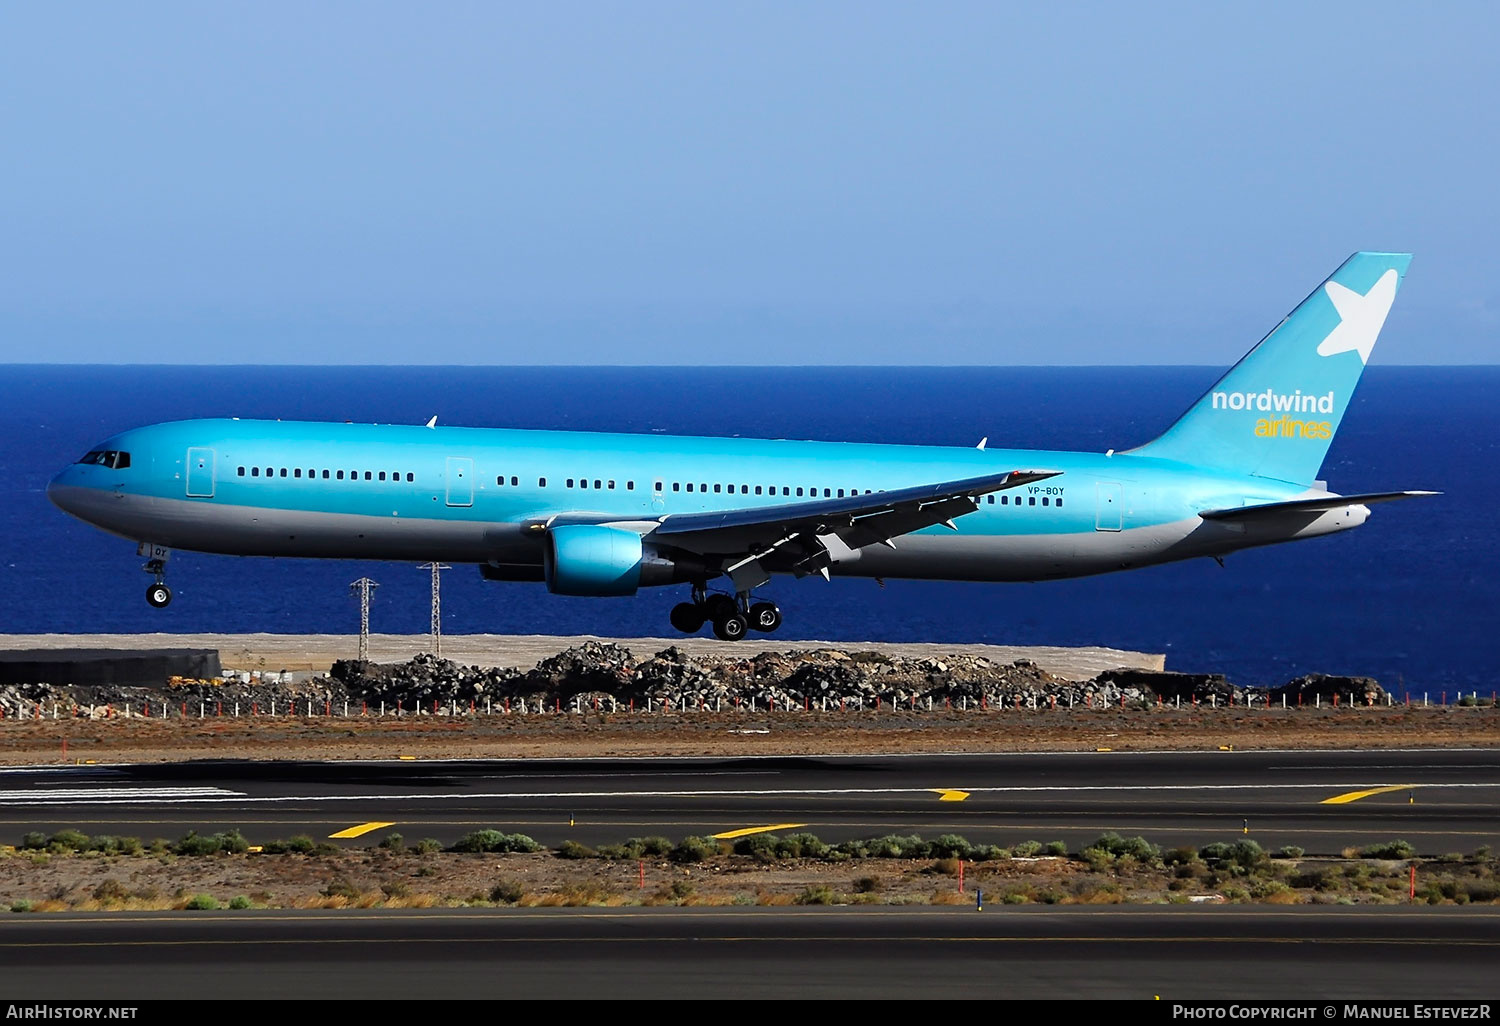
{"x":590,"y":734}
{"x":36,"y":882}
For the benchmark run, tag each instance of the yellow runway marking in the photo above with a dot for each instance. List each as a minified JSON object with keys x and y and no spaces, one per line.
{"x":1354,"y":796}
{"x":358,"y":830}
{"x":730,"y":835}
{"x":948,"y":794}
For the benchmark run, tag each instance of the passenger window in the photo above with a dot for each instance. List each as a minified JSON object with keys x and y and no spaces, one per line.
{"x":283,"y":472}
{"x":499,"y":480}
{"x":658,"y":486}
{"x":716,"y":489}
{"x":757,"y":489}
{"x":690,"y":486}
{"x":1058,"y":504}
{"x":611,"y":485}
{"x":1033,"y":501}
{"x":325,"y":475}
{"x":541,"y":482}
{"x":1046,"y":501}
{"x":1005,"y":500}
{"x":242,"y":472}
{"x":787,"y":491}
{"x":630,"y":486}
{"x":674,"y":486}
{"x":255,"y":472}
{"x":702,"y":487}
{"x":514,"y":480}
{"x":841,"y":493}
{"x":297,"y":472}
{"x":570,"y":482}
{"x":382,"y":475}
{"x":369,"y":476}
{"x":596,"y":483}
{"x":799,"y":493}
{"x":992,"y":500}
{"x":412,"y":477}
{"x":827,"y":493}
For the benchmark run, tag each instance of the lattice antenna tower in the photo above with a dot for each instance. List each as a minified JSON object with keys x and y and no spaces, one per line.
{"x":364,"y":587}
{"x":437,"y":604}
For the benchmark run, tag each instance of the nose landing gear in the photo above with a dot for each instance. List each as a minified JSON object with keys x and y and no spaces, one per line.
{"x":732,"y":618}
{"x":158,"y":596}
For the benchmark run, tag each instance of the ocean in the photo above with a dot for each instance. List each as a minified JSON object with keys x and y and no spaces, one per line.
{"x":1410,"y":598}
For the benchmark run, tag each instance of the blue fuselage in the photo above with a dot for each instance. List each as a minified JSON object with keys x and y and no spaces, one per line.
{"x":485,"y":496}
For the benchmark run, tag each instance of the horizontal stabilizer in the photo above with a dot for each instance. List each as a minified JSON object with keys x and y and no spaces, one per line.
{"x":1320,"y":504}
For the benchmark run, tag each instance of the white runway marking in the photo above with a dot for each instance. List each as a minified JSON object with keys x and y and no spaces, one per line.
{"x":210,"y":795}
{"x":112,"y":795}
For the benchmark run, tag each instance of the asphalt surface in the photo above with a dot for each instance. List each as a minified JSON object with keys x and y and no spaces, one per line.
{"x":1439,"y":800}
{"x":928,"y":953}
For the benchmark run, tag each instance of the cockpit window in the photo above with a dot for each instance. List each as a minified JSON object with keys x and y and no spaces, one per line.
{"x":111,"y":458}
{"x":115,"y":459}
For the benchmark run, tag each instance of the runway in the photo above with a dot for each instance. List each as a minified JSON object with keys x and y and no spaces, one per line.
{"x":1439,"y":800}
{"x":928,"y":953}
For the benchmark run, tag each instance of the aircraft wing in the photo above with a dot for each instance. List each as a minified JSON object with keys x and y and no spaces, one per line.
{"x":1320,"y":504}
{"x":808,"y":537}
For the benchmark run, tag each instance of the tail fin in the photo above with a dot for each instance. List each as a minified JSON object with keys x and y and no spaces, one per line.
{"x":1274,"y":413}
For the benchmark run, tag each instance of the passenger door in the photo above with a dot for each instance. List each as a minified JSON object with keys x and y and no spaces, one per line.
{"x":460,"y":480}
{"x":200,"y":473}
{"x":1109,"y":514}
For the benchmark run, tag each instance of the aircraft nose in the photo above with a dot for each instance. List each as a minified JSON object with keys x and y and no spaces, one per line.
{"x":63,"y":492}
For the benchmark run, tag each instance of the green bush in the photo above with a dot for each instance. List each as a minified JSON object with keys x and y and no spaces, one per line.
{"x":341,"y":887}
{"x":801,"y":846}
{"x":1388,"y":850}
{"x":394,"y":842}
{"x":1027,"y":849}
{"x":202,"y":902}
{"x":493,"y":841}
{"x":654,"y":845}
{"x":1240,"y":855}
{"x":506,"y":892}
{"x":427,"y":846}
{"x":988,"y":853}
{"x":760,"y":847}
{"x":34,"y":841}
{"x":396,"y":889}
{"x":239,"y":901}
{"x":817,"y":895}
{"x":694,"y":849}
{"x":868,"y":885}
{"x":949,"y":846}
{"x":109,"y":845}
{"x":1290,"y":851}
{"x":1180,"y":856}
{"x":1112,"y":844}
{"x":898,"y":846}
{"x":301,"y":844}
{"x":68,"y":840}
{"x":574,"y":850}
{"x":21,"y":905}
{"x":1057,"y":848}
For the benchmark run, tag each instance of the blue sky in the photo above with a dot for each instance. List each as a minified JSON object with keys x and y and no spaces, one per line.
{"x":763,"y":183}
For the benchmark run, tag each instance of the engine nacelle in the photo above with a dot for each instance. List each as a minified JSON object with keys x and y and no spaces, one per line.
{"x":586,"y":559}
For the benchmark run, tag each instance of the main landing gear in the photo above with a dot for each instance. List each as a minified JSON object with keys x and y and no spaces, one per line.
{"x":732,"y":618}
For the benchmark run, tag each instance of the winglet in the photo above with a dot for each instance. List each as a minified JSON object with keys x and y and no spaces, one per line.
{"x":433,"y":422}
{"x":982,"y":442}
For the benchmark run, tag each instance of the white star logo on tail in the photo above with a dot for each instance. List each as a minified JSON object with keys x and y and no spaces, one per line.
{"x":1360,"y":316}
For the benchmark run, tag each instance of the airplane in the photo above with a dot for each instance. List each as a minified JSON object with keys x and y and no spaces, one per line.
{"x":605,"y":515}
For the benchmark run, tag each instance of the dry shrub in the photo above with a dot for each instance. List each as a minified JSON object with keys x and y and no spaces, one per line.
{"x":949,"y":898}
